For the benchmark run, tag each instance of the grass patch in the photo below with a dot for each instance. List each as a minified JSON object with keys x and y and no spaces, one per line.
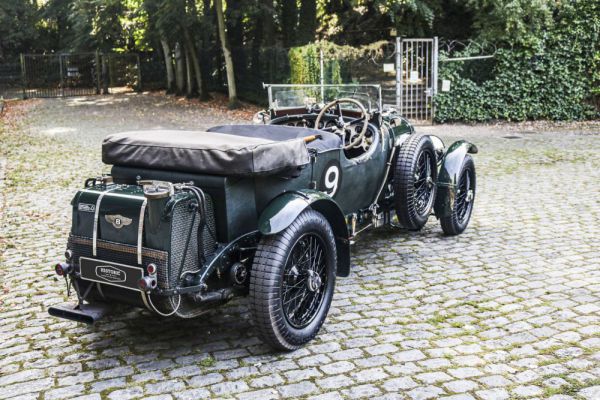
{"x":208,"y":362}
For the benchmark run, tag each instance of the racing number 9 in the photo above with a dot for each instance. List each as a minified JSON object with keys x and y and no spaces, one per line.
{"x":330,"y":180}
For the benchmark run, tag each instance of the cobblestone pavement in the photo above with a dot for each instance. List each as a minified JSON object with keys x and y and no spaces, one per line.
{"x":509,"y":309}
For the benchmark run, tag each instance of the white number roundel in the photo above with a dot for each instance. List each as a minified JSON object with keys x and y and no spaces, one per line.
{"x":332,"y":178}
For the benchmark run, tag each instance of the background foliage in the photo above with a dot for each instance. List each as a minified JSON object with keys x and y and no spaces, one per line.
{"x":547,"y":66}
{"x":547,"y":70}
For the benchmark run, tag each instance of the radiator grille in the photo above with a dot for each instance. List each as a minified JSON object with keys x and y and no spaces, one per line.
{"x":188,"y":261}
{"x":115,"y":252}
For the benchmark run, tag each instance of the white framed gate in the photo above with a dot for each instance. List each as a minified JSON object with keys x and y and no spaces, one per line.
{"x":416,"y":78}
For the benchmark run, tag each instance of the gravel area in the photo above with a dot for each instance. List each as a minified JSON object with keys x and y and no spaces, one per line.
{"x":510,"y":309}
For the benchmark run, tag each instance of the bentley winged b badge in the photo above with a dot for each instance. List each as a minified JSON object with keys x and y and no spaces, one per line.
{"x":118,"y":221}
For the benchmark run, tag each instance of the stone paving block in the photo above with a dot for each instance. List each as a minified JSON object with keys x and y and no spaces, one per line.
{"x":21,"y":376}
{"x":327,"y":396}
{"x":409,"y":355}
{"x":63,"y":393}
{"x":228,"y":388}
{"x":192,"y":394}
{"x":125,"y":394}
{"x":169,"y":386}
{"x":590,"y":393}
{"x":425,"y":392}
{"x":460,"y":386}
{"x":265,"y":394}
{"x":268,"y":380}
{"x":334,"y":382}
{"x":493,"y":394}
{"x":458,"y":397}
{"x":297,"y":389}
{"x":361,"y":391}
{"x":399,"y":384}
{"x":338,"y":367}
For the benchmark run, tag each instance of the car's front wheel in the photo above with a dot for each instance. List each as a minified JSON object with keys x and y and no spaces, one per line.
{"x":292,"y":281}
{"x":457,"y":221}
{"x":415,"y":176}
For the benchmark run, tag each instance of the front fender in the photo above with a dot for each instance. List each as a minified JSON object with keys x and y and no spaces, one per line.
{"x":449,"y":174}
{"x":285,"y":208}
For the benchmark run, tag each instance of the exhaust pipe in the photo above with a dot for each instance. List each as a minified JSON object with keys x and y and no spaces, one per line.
{"x":86,"y":313}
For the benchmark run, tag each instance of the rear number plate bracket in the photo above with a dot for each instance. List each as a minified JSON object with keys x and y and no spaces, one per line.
{"x":110,"y":273}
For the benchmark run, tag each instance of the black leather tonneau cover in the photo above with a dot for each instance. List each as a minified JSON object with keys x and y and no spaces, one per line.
{"x":204,"y":152}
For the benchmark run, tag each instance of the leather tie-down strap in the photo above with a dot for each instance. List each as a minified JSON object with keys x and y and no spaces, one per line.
{"x":141,"y":231}
{"x":96,"y":221}
{"x":122,"y":229}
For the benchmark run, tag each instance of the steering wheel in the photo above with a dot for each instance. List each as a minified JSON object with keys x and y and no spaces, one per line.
{"x":341,"y":127}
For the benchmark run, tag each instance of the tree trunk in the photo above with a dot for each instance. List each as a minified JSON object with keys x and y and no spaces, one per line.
{"x":234,"y":22}
{"x":206,"y":52}
{"x":196,"y":65}
{"x":233,"y":100}
{"x":189,"y":73}
{"x":168,"y":65}
{"x":105,"y":75}
{"x":179,"y":70}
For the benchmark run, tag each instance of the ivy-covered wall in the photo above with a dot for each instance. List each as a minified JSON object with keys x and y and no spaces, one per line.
{"x":554,"y":76}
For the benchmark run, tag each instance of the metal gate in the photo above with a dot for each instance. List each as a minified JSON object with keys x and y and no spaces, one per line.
{"x":58,"y":75}
{"x":416,"y":78}
{"x":79,"y":74}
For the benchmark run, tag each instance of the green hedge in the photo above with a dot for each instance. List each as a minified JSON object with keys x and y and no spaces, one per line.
{"x":555,"y":77}
{"x":338,"y":61}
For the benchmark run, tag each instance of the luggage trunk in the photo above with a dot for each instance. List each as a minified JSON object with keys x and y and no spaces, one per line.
{"x":118,"y":231}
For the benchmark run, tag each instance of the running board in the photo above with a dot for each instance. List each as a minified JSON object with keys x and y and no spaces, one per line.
{"x":86,"y":313}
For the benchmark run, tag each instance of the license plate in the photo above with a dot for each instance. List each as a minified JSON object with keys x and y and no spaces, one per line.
{"x":110,"y":273}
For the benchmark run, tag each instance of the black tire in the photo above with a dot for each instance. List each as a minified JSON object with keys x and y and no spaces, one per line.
{"x":279,"y":276}
{"x":457,"y":221}
{"x":414,"y":187}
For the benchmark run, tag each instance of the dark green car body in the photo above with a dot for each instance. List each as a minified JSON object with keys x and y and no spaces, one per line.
{"x":353,"y":191}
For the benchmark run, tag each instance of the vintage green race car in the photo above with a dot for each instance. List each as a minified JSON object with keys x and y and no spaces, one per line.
{"x":188,"y":220}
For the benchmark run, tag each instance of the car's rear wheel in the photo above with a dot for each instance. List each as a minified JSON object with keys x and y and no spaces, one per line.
{"x":292,"y":281}
{"x":415,"y":175}
{"x":457,"y":221}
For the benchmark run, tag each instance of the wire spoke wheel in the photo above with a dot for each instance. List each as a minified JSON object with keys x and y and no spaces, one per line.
{"x":304,"y":281}
{"x":464,"y":197}
{"x":424,"y":184}
{"x":415,"y":176}
{"x":292,"y":281}
{"x":458,"y":219}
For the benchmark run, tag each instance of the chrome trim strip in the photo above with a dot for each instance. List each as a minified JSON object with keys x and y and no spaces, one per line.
{"x":96,"y":216}
{"x":126,"y":196}
{"x":141,"y":231}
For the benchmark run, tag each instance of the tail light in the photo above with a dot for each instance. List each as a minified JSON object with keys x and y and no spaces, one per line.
{"x":63,"y":269}
{"x":147,"y":283}
{"x":151,"y":269}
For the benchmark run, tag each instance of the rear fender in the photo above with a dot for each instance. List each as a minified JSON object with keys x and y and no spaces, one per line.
{"x":448,"y":176}
{"x":283,"y":210}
